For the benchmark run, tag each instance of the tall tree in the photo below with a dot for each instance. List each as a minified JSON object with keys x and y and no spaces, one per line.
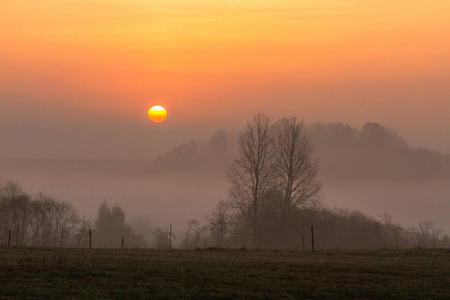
{"x":251,"y":175}
{"x":67,"y":223}
{"x":14,"y":212}
{"x":296,"y":172}
{"x":189,"y":238}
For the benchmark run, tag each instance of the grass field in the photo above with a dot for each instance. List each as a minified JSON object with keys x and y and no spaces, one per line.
{"x":135,"y":274}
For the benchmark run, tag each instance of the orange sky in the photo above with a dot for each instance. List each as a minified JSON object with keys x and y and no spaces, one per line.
{"x":213,"y":63}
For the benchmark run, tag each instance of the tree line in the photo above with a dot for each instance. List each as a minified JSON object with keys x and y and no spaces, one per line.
{"x":372,"y":152}
{"x":39,"y":220}
{"x":333,"y":229}
{"x":274,"y":196}
{"x":42,"y":220}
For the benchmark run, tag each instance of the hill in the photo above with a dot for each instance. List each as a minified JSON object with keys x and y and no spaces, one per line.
{"x":344,"y":153}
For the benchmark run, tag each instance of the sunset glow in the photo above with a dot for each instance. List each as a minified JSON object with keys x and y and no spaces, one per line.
{"x":346,"y":60}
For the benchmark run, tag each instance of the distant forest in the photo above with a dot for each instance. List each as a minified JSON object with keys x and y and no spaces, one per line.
{"x":43,"y":221}
{"x":344,"y":152}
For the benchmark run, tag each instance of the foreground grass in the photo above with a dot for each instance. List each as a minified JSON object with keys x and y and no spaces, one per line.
{"x":136,"y":274}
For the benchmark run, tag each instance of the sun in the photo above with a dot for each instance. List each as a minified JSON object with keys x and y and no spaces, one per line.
{"x":157,"y":113}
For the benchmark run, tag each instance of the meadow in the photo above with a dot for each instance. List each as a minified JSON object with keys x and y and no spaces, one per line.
{"x":33,"y":273}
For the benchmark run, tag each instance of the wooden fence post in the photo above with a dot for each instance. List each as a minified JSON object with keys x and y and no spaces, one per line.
{"x":312,"y":237}
{"x":9,"y":237}
{"x":90,"y":239}
{"x":170,"y":236}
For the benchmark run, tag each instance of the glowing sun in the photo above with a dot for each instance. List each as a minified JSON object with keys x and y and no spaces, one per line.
{"x":157,"y":114}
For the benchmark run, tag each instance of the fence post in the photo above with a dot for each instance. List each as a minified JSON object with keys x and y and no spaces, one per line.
{"x":170,"y":236}
{"x":17,"y":236}
{"x":312,"y":237}
{"x":90,"y":239}
{"x":9,"y":237}
{"x":122,"y":242}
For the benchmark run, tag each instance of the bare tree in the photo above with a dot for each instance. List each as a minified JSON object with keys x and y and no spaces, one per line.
{"x":427,"y":235}
{"x":188,"y":241}
{"x":14,"y":211}
{"x":40,"y":220}
{"x":251,"y":175}
{"x":44,"y":221}
{"x":68,"y":222}
{"x":81,"y":236}
{"x":219,"y":223}
{"x":393,"y":235}
{"x":296,"y":171}
{"x":160,"y":238}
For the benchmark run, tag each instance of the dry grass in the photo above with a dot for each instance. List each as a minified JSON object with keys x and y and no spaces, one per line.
{"x":27,"y":273}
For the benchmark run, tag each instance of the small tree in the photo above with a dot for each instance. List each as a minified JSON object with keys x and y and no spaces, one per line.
{"x":160,"y":238}
{"x":14,"y":211}
{"x":219,"y":223}
{"x":82,"y":234}
{"x":189,"y":241}
{"x":67,"y":222}
{"x":110,"y":226}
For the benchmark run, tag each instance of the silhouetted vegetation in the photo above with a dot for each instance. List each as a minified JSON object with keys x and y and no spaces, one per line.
{"x":274,"y":174}
{"x":374,"y":152}
{"x":111,"y":228}
{"x":43,"y":221}
{"x":38,"y":221}
{"x":193,"y":155}
{"x":274,"y":195}
{"x":333,"y":228}
{"x":160,"y":238}
{"x":344,"y":152}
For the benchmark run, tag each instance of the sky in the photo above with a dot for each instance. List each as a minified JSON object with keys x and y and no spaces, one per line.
{"x":77,"y":77}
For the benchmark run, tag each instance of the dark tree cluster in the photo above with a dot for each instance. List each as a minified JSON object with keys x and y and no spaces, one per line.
{"x":333,"y":229}
{"x":347,"y":229}
{"x":199,"y":156}
{"x":39,"y":220}
{"x":273,"y":176}
{"x":275,"y":196}
{"x":110,"y":228}
{"x":370,"y":153}
{"x":374,"y":152}
{"x":43,"y":221}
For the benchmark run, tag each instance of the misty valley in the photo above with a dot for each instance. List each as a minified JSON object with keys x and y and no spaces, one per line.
{"x":376,"y":192}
